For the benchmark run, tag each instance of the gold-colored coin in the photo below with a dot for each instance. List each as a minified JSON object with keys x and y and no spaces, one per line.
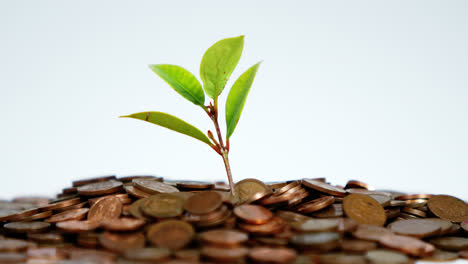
{"x":172,"y":234}
{"x":247,"y":188}
{"x":364,"y":209}
{"x":163,"y":205}
{"x":448,"y":207}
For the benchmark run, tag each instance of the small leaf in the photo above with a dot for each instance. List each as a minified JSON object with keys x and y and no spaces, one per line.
{"x":184,"y":82}
{"x":236,"y":98}
{"x":171,"y":122}
{"x":218,"y":63}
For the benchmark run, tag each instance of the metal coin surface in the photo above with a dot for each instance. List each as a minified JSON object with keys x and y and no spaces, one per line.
{"x":172,"y":234}
{"x":26,"y":227}
{"x":147,"y":254}
{"x":118,"y":242}
{"x":122,"y":224}
{"x":448,"y":207}
{"x":253,"y":214}
{"x":247,"y":188}
{"x":100,"y":188}
{"x":153,"y":187}
{"x":323,"y":187}
{"x":164,"y":205}
{"x":272,"y":255}
{"x":385,"y":256}
{"x":415,"y":227}
{"x":203,"y":202}
{"x":364,"y":209}
{"x":224,"y":237}
{"x":75,"y":214}
{"x":107,"y":208}
{"x":408,"y":245}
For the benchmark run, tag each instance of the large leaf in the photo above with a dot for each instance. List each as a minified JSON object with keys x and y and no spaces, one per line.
{"x":236,"y":98}
{"x":171,"y":122}
{"x":182,"y":81}
{"x":218,"y":62}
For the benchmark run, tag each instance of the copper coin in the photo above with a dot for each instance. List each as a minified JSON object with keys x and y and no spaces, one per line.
{"x":172,"y":234}
{"x":415,"y":227}
{"x":357,"y":246}
{"x":71,"y":207}
{"x":392,"y":213}
{"x":135,"y":192}
{"x":93,"y":180}
{"x":383,"y":200}
{"x":334,"y":210}
{"x":340,"y":258}
{"x":19,"y":216}
{"x":357,"y":184}
{"x":413,"y":196}
{"x":7,"y":214}
{"x":448,"y":207}
{"x":323,"y":187}
{"x":213,"y":216}
{"x":274,"y":226}
{"x":130,"y":178}
{"x":49,"y":253}
{"x":12,"y":258}
{"x":194,"y":185}
{"x":147,"y":254}
{"x":347,"y":225}
{"x":153,"y":187}
{"x":13,"y":245}
{"x":364,"y":209}
{"x":188,"y":255}
{"x":379,"y":256}
{"x":107,"y":208}
{"x":451,"y":243}
{"x":413,"y":211}
{"x":371,"y":233}
{"x":286,"y":188}
{"x":61,"y":204}
{"x":122,"y":224}
{"x":247,"y":188}
{"x":75,"y":214}
{"x":224,"y":238}
{"x":440,"y":255}
{"x":77,"y":226}
{"x":203,"y":202}
{"x":316,"y":205}
{"x":291,"y":216}
{"x":224,"y":255}
{"x":123,"y":197}
{"x":46,"y":238}
{"x":316,"y":225}
{"x":323,"y":241}
{"x":163,"y":205}
{"x":408,"y":245}
{"x":91,"y":256}
{"x":135,"y":209}
{"x":276,"y":185}
{"x":118,"y":242}
{"x":253,"y":214}
{"x":272,"y":255}
{"x":26,"y":227}
{"x":100,"y":188}
{"x":36,"y":217}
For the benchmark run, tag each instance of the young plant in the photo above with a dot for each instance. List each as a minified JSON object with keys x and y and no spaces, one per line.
{"x":216,"y":67}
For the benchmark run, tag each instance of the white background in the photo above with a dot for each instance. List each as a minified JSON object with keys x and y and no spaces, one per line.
{"x":368,"y":90}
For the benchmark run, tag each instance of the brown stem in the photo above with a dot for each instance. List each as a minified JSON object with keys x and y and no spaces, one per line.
{"x":221,"y":148}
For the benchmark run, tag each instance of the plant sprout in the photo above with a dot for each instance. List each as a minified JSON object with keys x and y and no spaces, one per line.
{"x":216,"y":67}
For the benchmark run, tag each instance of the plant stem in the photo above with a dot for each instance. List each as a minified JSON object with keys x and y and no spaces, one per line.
{"x":222,"y":148}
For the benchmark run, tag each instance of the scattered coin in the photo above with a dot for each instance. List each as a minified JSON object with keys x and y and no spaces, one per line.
{"x":247,"y":188}
{"x":172,"y":234}
{"x":147,"y":254}
{"x":384,"y":256}
{"x":448,"y":207}
{"x":122,"y":224}
{"x":451,"y":243}
{"x":203,"y":202}
{"x":26,"y":227}
{"x":153,"y":187}
{"x":224,"y":238}
{"x":272,"y":255}
{"x":408,"y":245}
{"x":364,"y":209}
{"x":164,"y":205}
{"x":323,"y":187}
{"x":253,"y":214}
{"x":415,"y":227}
{"x":104,"y":209}
{"x":100,"y":188}
{"x":74,"y":214}
{"x":119,"y":242}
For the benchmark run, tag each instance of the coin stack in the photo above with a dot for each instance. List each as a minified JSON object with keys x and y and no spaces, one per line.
{"x":145,"y":219}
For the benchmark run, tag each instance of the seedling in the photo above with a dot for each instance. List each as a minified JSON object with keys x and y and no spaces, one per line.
{"x":216,"y":67}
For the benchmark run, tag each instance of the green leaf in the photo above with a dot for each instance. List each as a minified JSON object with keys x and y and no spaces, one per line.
{"x":171,"y":122}
{"x":218,"y":62}
{"x":184,"y":82}
{"x":236,"y":98}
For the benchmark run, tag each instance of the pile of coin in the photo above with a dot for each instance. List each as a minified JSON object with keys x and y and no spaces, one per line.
{"x":145,"y":219}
